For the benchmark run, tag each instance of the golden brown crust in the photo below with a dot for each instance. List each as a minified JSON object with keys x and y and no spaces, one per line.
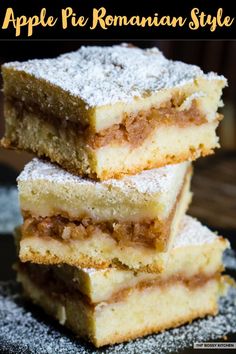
{"x":6,"y":143}
{"x":190,"y":155}
{"x":83,"y":261}
{"x":69,"y":166}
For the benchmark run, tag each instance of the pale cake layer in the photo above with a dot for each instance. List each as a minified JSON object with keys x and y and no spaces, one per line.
{"x":97,"y":87}
{"x":47,"y":190}
{"x":141,"y":312}
{"x":101,"y":251}
{"x":185,"y":263}
{"x":26,"y":131}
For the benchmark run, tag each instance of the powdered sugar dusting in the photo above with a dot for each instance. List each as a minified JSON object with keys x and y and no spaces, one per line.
{"x":192,"y":232}
{"x":150,"y":181}
{"x":107,"y":75}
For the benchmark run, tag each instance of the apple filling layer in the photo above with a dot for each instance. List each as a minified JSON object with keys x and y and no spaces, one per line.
{"x":133,"y":129}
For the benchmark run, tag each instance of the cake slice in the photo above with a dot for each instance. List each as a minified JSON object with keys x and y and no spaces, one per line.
{"x":109,"y":306}
{"x":104,"y":112}
{"x":128,"y":222}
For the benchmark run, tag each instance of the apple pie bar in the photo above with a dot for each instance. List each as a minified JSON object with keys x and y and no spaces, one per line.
{"x":107,"y":111}
{"x":111,"y":305}
{"x":130,"y":222}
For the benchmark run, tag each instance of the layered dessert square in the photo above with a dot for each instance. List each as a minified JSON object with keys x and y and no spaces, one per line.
{"x":110,"y":305}
{"x":130,"y":222}
{"x":104,"y":112}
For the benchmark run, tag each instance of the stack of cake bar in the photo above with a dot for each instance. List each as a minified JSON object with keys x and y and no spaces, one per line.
{"x":105,"y":246}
